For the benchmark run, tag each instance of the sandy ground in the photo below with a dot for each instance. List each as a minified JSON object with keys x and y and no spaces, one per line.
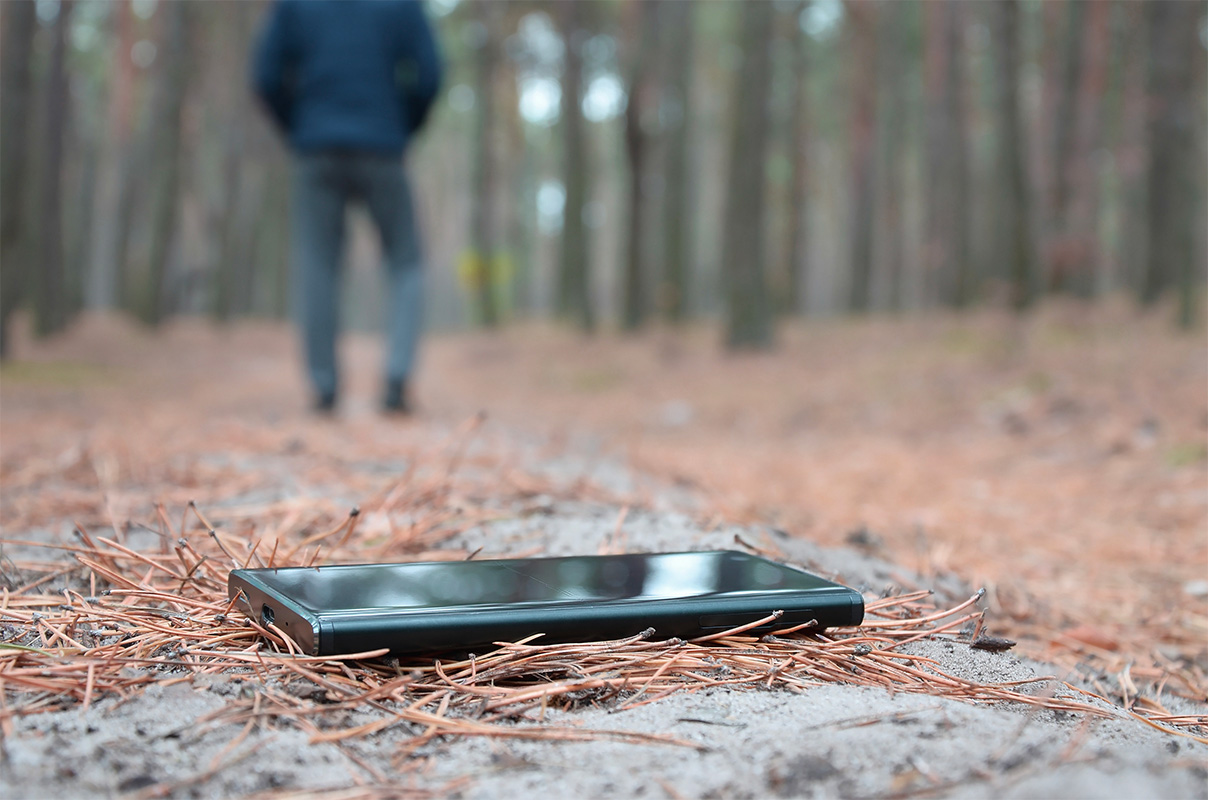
{"x":832,"y":741}
{"x":101,"y":444}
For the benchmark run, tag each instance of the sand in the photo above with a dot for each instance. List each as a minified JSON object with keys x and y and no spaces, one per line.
{"x":831,"y":741}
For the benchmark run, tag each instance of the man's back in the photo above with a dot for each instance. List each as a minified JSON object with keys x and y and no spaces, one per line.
{"x":347,"y":74}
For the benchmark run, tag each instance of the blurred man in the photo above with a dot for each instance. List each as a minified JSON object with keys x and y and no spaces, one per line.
{"x":349,"y":82}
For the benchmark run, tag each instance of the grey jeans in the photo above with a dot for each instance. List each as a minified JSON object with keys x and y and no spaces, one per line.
{"x":324,"y":185}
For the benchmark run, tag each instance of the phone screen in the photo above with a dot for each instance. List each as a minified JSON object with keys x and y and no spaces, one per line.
{"x":574,"y":579}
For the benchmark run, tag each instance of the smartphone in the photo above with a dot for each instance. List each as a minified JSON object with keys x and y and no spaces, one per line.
{"x":459,"y":605}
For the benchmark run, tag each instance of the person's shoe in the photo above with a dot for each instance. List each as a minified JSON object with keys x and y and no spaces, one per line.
{"x":395,"y":400}
{"x":325,"y":403}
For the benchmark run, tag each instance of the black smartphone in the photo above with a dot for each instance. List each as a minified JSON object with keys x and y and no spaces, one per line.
{"x":458,"y":605}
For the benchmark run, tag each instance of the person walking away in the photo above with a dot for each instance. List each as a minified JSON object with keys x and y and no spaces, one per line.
{"x":349,"y":83}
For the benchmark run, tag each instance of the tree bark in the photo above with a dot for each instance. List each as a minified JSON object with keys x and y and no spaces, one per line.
{"x":165,"y":156}
{"x":16,"y":101}
{"x":948,"y":226}
{"x":575,"y":273}
{"x":862,"y":15}
{"x":483,"y":210}
{"x":796,"y":253}
{"x":111,"y":217}
{"x":1131,"y":153}
{"x":749,"y":318}
{"x":1081,"y":221}
{"x":677,"y":217}
{"x":1171,"y":197}
{"x":1017,"y":244}
{"x":50,"y":285}
{"x":895,"y":68}
{"x":1066,"y":111}
{"x":642,"y":35}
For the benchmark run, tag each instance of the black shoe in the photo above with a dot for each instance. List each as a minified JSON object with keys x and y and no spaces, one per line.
{"x":325,"y":403}
{"x":395,"y":401}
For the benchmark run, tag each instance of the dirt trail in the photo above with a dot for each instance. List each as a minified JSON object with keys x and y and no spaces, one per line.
{"x":1062,"y":464}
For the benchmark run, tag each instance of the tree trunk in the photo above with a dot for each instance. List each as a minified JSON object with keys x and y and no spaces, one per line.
{"x":482,"y":212}
{"x":677,"y":219}
{"x":79,"y":223}
{"x":749,"y":318}
{"x":1131,"y":153}
{"x":796,"y":252}
{"x":949,"y":261}
{"x":111,"y":217}
{"x":895,"y":66}
{"x":225,"y":272}
{"x":1015,"y":236}
{"x":575,"y":274}
{"x":862,"y":15}
{"x":165,"y":157}
{"x":1082,"y":216}
{"x":16,"y":101}
{"x":642,"y":19}
{"x":1066,"y":116}
{"x":50,"y":285}
{"x":1171,"y":199}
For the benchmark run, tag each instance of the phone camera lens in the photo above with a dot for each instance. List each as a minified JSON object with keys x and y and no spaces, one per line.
{"x":266,"y":615}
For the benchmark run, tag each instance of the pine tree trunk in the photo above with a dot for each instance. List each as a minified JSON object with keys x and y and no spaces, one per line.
{"x":894,"y":66}
{"x":642,"y":30}
{"x":483,"y":222}
{"x":796,"y":253}
{"x":575,"y":275}
{"x":165,"y":158}
{"x":1066,"y":114}
{"x":1131,"y":154}
{"x":1171,"y":196}
{"x":677,"y":241}
{"x":16,"y":101}
{"x":1015,"y":234}
{"x":106,"y":270}
{"x":862,"y":15}
{"x":749,"y":317}
{"x":50,"y":285}
{"x":949,"y":263}
{"x":1082,"y":217}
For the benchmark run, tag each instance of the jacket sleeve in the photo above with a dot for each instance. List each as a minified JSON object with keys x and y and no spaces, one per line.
{"x":419,"y":71}
{"x":271,"y":66}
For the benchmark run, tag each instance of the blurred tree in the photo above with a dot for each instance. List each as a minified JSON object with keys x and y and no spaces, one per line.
{"x":948,"y":221}
{"x":894,"y":65}
{"x":1013,"y":214}
{"x":862,"y":17}
{"x":115,"y":188}
{"x":1080,"y":223}
{"x":50,"y":285}
{"x":749,"y":318}
{"x":797,"y":231}
{"x":1129,"y":153}
{"x":165,"y":126}
{"x":677,"y":211}
{"x":1068,"y":73}
{"x":1173,"y":43}
{"x":235,"y":218}
{"x":483,"y":207}
{"x":1065,"y":206}
{"x":574,"y":289}
{"x":20,"y":23}
{"x":642,"y":33}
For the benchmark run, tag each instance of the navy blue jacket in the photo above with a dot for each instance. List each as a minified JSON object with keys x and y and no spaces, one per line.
{"x":347,"y":74}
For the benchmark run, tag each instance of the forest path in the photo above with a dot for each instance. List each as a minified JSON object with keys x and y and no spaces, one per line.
{"x":1060,"y":462}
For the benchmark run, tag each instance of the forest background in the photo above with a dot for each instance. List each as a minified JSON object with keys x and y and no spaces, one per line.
{"x":614,"y":163}
{"x":967,"y":239}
